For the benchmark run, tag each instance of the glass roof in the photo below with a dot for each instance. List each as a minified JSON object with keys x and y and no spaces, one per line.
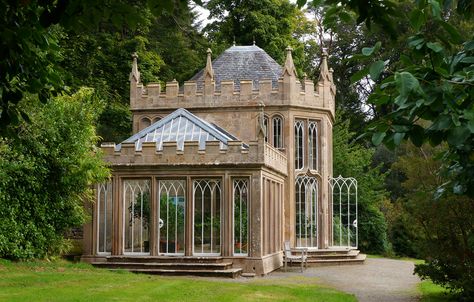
{"x":181,"y":126}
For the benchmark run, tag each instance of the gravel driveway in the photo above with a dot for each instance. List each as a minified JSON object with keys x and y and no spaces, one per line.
{"x":378,"y":280}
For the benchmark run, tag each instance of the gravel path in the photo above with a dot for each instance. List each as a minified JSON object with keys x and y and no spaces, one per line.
{"x":378,"y":280}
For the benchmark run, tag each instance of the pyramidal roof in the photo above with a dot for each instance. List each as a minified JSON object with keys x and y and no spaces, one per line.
{"x":243,"y":63}
{"x":180,"y":126}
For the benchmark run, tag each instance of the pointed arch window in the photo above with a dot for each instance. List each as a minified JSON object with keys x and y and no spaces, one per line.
{"x":104,"y":218}
{"x":145,"y":122}
{"x":306,"y":189}
{"x":313,"y":145}
{"x":265,"y":124}
{"x":136,"y":216}
{"x":241,"y":216}
{"x":299,"y":145}
{"x":207,"y":216}
{"x":277,"y":123}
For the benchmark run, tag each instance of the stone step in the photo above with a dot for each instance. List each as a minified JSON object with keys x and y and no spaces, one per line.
{"x":351,"y":255}
{"x":164,"y":265}
{"x":331,"y":251}
{"x":359,"y":259}
{"x":227,"y":273}
{"x":164,"y":259}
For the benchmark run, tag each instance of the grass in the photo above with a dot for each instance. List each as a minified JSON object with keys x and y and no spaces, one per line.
{"x":433,"y":293}
{"x":416,"y":261}
{"x":64,"y":281}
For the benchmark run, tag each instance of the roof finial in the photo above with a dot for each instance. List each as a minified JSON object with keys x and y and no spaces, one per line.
{"x":209,"y":72}
{"x":253,"y":40}
{"x":233,"y":44}
{"x":289,"y":66}
{"x":324,"y":70}
{"x":135,"y":74}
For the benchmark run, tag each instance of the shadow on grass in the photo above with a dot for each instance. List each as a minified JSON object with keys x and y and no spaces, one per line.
{"x":434,"y":293}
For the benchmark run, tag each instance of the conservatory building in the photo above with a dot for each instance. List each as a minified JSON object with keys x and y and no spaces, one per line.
{"x":222,"y":171}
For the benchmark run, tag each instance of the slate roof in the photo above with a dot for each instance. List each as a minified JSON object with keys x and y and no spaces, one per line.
{"x":243,"y":63}
{"x":180,"y":126}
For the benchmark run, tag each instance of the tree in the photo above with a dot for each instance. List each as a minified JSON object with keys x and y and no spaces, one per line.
{"x":441,"y":231}
{"x":46,"y":174}
{"x":270,"y":23}
{"x":434,"y":81}
{"x":29,"y":48}
{"x":430,"y":98}
{"x":169,"y":47}
{"x":354,"y":160}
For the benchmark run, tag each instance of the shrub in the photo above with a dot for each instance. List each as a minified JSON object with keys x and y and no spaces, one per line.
{"x":46,"y":173}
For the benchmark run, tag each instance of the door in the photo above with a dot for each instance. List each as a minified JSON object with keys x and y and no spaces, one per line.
{"x":207,"y":217}
{"x":171,"y":216}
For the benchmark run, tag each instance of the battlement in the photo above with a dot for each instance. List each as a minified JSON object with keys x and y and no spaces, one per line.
{"x":258,"y":152}
{"x":189,"y":95}
{"x":286,"y":90}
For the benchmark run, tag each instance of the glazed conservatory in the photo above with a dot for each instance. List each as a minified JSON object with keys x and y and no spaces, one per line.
{"x":231,"y":164}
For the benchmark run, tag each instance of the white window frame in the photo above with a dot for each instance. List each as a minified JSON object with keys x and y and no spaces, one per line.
{"x":106,"y":189}
{"x":142,"y":191}
{"x":277,"y":122}
{"x":240,"y":184}
{"x":299,"y":125}
{"x":214,"y":185}
{"x":169,"y":186}
{"x":313,"y":139}
{"x":311,"y":189}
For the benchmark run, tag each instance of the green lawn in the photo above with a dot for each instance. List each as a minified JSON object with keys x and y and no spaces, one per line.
{"x":433,"y":293}
{"x":63,"y":281}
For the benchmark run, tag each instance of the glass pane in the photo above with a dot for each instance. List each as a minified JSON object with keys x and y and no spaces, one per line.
{"x":265,"y":124}
{"x":313,"y":145}
{"x":306,"y":211}
{"x":277,"y":132}
{"x":240,"y":191}
{"x":136,"y":199}
{"x":299,"y":139}
{"x":207,"y":224}
{"x":104,"y":218}
{"x":171,"y":222}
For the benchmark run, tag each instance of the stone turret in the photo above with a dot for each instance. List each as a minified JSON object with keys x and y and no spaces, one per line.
{"x":241,"y":76}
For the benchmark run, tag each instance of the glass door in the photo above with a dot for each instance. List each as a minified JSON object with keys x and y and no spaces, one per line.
{"x":171,"y":216}
{"x":207,"y":217}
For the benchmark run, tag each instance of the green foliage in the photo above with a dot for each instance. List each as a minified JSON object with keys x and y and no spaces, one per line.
{"x":354,"y":160}
{"x":443,"y":228}
{"x":30,"y":45}
{"x":46,"y":173}
{"x":168,"y":45}
{"x":270,"y":23}
{"x":433,"y":82}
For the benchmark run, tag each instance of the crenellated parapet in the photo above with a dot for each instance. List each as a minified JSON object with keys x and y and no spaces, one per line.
{"x":235,"y":153}
{"x":153,"y":96}
{"x":289,"y":91}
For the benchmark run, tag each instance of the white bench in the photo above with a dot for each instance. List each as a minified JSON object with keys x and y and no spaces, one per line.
{"x":289,"y":256}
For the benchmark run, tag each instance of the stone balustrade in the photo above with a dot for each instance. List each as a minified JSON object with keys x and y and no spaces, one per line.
{"x":275,"y":158}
